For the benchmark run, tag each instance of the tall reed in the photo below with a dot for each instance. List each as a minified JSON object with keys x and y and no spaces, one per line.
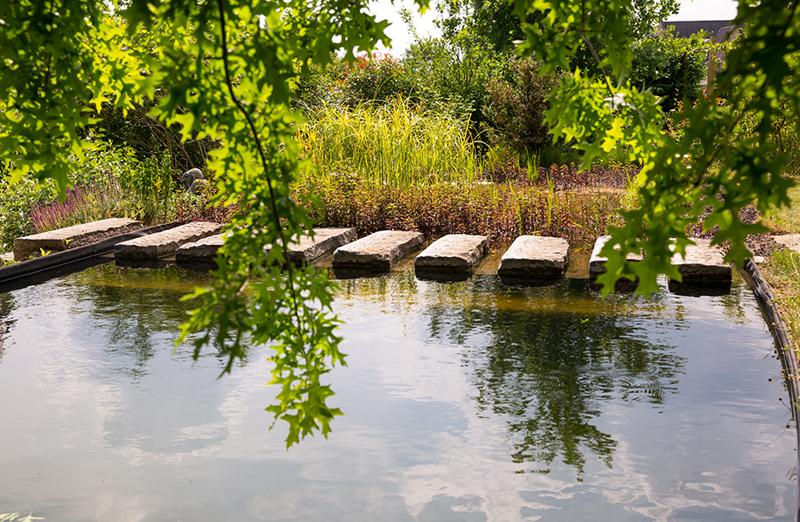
{"x":395,"y":144}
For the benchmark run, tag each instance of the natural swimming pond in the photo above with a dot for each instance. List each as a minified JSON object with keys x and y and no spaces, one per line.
{"x":465,"y":401}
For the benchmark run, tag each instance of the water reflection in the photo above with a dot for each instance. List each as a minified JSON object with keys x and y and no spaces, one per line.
{"x":547,"y":372}
{"x":463,"y":401}
{"x":551,"y":357}
{"x":135,"y":309}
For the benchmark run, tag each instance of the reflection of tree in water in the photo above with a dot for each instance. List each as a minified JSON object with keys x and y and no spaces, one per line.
{"x":548,"y":371}
{"x":6,"y":307}
{"x":134,"y":307}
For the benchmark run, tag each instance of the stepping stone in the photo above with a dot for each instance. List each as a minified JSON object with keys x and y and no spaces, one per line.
{"x":62,"y":238}
{"x":453,"y":253}
{"x":378,"y":251}
{"x":306,"y":250}
{"x":790,"y":241}
{"x":597,"y":263}
{"x":325,"y":240}
{"x":202,"y":251}
{"x":535,"y":257}
{"x":703,"y":263}
{"x":164,"y":243}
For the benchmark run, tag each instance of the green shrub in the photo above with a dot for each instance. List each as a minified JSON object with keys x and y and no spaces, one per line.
{"x":147,"y":137}
{"x":454,"y":74}
{"x":516,"y":113}
{"x":395,"y":144}
{"x":16,"y":201}
{"x":378,"y":78}
{"x":671,"y":67}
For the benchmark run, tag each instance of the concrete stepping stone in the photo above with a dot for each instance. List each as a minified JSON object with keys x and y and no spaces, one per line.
{"x":535,"y":257}
{"x":597,"y":262}
{"x":308,"y":249}
{"x":703,"y":264}
{"x":378,"y":251}
{"x":790,"y":241}
{"x":161,"y":244}
{"x":203,"y":251}
{"x":325,"y":240}
{"x":62,"y":238}
{"x":452,"y":254}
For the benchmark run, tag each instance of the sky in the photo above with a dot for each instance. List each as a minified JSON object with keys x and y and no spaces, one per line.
{"x":402,"y":37}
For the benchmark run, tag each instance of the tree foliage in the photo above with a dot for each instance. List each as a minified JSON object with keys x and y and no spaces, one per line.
{"x":223,"y":70}
{"x":714,"y":167}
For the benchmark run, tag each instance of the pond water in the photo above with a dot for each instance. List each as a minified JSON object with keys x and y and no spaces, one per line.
{"x":467,"y":401}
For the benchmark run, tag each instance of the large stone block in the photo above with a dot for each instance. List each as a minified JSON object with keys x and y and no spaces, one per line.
{"x":703,"y":263}
{"x":63,"y":238}
{"x":790,"y":241}
{"x":378,"y":251}
{"x":597,"y":262}
{"x":535,"y":257}
{"x":456,"y":253}
{"x":165,"y":243}
{"x":325,"y":240}
{"x":201,"y":251}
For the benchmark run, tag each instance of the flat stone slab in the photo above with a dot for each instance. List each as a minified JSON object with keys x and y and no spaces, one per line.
{"x":201,"y":251}
{"x":60,"y":239}
{"x":308,"y":249}
{"x":535,"y":257}
{"x":703,"y":263}
{"x":378,"y":251}
{"x":166,"y":242}
{"x":597,"y":263}
{"x":790,"y":241}
{"x":457,"y":253}
{"x":325,"y":240}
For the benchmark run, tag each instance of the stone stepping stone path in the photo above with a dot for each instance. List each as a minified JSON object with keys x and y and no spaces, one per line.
{"x":597,"y":262}
{"x":165,"y":243}
{"x":378,"y":251}
{"x":202,"y":251}
{"x":790,"y":241}
{"x":455,"y":254}
{"x":308,"y":249}
{"x":535,"y":257}
{"x":325,"y":241}
{"x":62,"y":238}
{"x":703,"y":264}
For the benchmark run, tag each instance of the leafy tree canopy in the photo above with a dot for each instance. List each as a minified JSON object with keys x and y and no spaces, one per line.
{"x":502,"y":25}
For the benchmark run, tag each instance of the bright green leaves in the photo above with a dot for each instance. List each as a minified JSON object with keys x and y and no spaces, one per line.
{"x":556,"y":31}
{"x":604,"y":122}
{"x":720,"y":155}
{"x":236,"y":89}
{"x":59,"y":61}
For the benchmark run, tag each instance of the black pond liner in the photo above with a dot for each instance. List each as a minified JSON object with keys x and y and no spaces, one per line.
{"x":41,"y":269}
{"x":786,"y":352}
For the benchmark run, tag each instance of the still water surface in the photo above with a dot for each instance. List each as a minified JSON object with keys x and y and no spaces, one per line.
{"x":463,"y":402}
